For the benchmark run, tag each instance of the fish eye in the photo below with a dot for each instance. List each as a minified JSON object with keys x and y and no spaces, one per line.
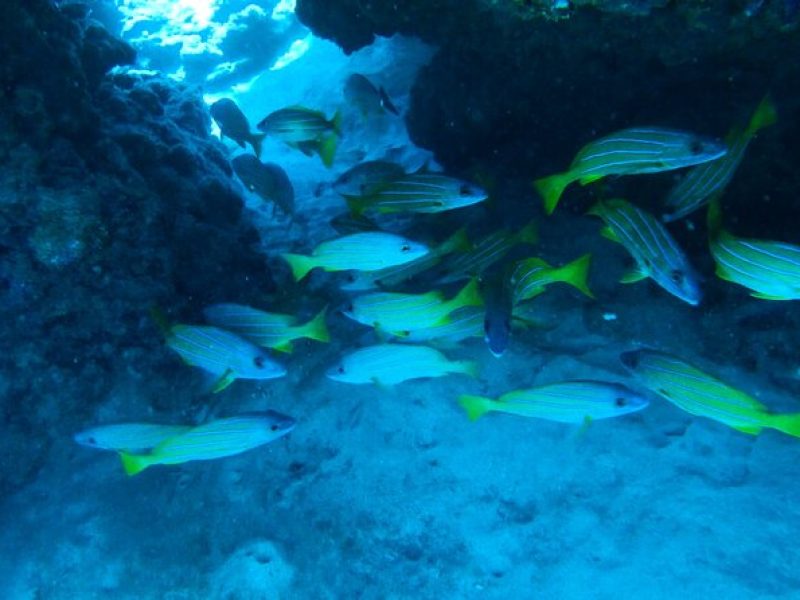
{"x":274,"y":427}
{"x":92,"y":441}
{"x":464,"y":190}
{"x":620,"y":401}
{"x":340,"y":370}
{"x":405,"y":248}
{"x":348,"y":308}
{"x":696,"y":146}
{"x":258,"y":361}
{"x":676,"y":276}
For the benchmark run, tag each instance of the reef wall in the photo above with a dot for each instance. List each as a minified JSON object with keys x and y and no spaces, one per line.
{"x":113,"y":199}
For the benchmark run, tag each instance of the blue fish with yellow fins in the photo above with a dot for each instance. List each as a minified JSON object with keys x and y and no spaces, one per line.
{"x":698,"y":393}
{"x":630,"y":152}
{"x":710,"y":179}
{"x":770,"y":270}
{"x":217,"y":439}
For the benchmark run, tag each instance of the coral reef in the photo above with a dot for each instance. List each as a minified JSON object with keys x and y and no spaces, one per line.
{"x":114,"y":199}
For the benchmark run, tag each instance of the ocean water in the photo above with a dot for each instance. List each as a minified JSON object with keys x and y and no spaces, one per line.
{"x":122,"y":217}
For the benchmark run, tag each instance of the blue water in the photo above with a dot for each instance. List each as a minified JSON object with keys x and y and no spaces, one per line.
{"x":379,"y":492}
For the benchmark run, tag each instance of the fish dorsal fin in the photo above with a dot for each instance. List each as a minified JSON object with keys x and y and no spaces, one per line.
{"x":609,"y":234}
{"x":227,"y":378}
{"x":634,"y":275}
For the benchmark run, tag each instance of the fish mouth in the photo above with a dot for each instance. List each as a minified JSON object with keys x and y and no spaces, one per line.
{"x":631,"y":359}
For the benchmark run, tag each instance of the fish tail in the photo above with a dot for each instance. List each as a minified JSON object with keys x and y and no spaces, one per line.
{"x":764,"y":116}
{"x":256,"y":140}
{"x":327,"y":148}
{"x":467,"y":367}
{"x":476,"y":406}
{"x":788,"y":424}
{"x":469,"y":295}
{"x":135,"y":463}
{"x":336,"y":122}
{"x":458,"y":242}
{"x":316,"y":328}
{"x":356,"y":204}
{"x":576,"y":274}
{"x":300,"y":264}
{"x":528,"y":234}
{"x":550,"y":189}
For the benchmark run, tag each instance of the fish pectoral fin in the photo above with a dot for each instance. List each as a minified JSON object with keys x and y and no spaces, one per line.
{"x":634,"y":275}
{"x":590,"y":179}
{"x":286,"y":347}
{"x":761,"y":296}
{"x":609,"y":234}
{"x":587,"y":421}
{"x":228,"y":377}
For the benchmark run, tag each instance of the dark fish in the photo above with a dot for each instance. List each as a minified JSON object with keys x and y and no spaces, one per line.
{"x":233,"y":124}
{"x":268,"y":180}
{"x":367,"y":176}
{"x":498,"y":316}
{"x":361,"y":92}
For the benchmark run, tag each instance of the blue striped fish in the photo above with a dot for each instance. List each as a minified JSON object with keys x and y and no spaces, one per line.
{"x":530,"y":277}
{"x":770,"y":270}
{"x":417,"y":192}
{"x":711,"y":178}
{"x":630,"y":152}
{"x":576,"y":402}
{"x":390,"y":364}
{"x":488,"y":251}
{"x":462,"y":323}
{"x":700,"y":394}
{"x":217,"y":439}
{"x":222,"y":353}
{"x":657,"y":255}
{"x":304,"y":129}
{"x":398,"y":313}
{"x":392,"y":276}
{"x":128,"y":437}
{"x":265,"y":329}
{"x":367,"y":251}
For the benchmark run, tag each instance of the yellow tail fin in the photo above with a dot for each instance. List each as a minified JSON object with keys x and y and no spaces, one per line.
{"x":550,"y":188}
{"x":134,"y":463}
{"x":327,"y":148}
{"x":764,"y":116}
{"x":300,"y":264}
{"x":317,"y":329}
{"x":476,"y":406}
{"x":469,"y":295}
{"x":576,"y":274}
{"x":788,"y":424}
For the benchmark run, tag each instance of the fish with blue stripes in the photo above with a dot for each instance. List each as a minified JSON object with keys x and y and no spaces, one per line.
{"x":769,"y":269}
{"x":631,"y":151}
{"x":128,"y":437}
{"x":461,"y":324}
{"x":218,"y":439}
{"x":703,"y":395}
{"x":710,"y":179}
{"x":390,"y":364}
{"x":266,"y":329}
{"x":392,"y":276}
{"x":222,"y":353}
{"x":656,"y":253}
{"x":421,"y":192}
{"x":531,"y":276}
{"x":577,"y":402}
{"x":488,"y":251}
{"x":306,"y":130}
{"x":366,"y":251}
{"x":398,"y":313}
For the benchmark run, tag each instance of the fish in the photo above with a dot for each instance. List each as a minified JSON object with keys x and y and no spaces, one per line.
{"x":365,"y":177}
{"x":390,"y":364}
{"x":531,"y":276}
{"x":630,"y":152}
{"x":703,"y":395}
{"x":347,"y":223}
{"x":222,"y":353}
{"x":398,"y":314}
{"x":268,"y":180}
{"x":362,"y":93}
{"x":578,"y":401}
{"x":710,"y":179}
{"x":498,"y":314}
{"x":392,"y":276}
{"x":462,"y":323}
{"x":769,"y":269}
{"x":306,"y":130}
{"x":265,"y":329}
{"x":656,"y":253}
{"x":420,"y":192}
{"x":488,"y":251}
{"x":234,"y":125}
{"x":217,"y":439}
{"x":367,"y":251}
{"x":128,"y":437}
